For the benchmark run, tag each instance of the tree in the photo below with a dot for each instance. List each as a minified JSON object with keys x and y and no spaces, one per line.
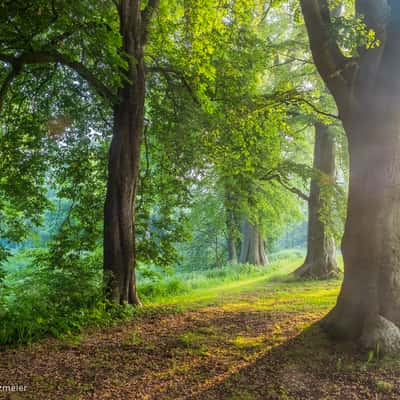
{"x":231,"y":211}
{"x":206,"y":224}
{"x":54,"y":24}
{"x":252,"y":250}
{"x":123,"y":167}
{"x":242,"y":138}
{"x":320,"y":260}
{"x":366,"y":89}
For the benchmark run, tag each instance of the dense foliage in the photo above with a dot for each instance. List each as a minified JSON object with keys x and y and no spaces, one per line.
{"x":232,"y":98}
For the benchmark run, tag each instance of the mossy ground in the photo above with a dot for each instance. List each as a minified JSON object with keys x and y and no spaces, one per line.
{"x":242,"y":340}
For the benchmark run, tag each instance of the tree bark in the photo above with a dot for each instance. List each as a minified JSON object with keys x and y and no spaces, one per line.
{"x":124,"y":157}
{"x":368,"y":306}
{"x":367,"y":93}
{"x":253,"y":249}
{"x":231,"y":226}
{"x":232,"y":252}
{"x":320,"y":262}
{"x":119,"y":215}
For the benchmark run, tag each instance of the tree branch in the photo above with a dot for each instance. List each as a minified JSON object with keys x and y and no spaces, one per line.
{"x":375,"y":14}
{"x":332,"y":65}
{"x":170,"y":71}
{"x":7,"y":58}
{"x":44,"y":57}
{"x":274,"y":175}
{"x":317,"y":110}
{"x":86,"y":74}
{"x":292,"y":189}
{"x":147,"y":14}
{"x":265,"y":13}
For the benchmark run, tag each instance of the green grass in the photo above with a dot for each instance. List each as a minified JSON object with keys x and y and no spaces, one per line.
{"x":275,"y":287}
{"x":65,"y":305}
{"x":210,"y":285}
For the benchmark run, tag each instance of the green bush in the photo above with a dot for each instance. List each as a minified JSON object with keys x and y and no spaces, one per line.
{"x":161,"y":288}
{"x":38,"y":301}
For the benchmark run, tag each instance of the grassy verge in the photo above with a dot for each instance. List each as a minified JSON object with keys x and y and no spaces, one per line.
{"x":36,"y":302}
{"x":209,"y":285}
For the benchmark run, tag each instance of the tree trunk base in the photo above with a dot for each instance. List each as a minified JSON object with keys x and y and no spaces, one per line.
{"x":134,"y":299}
{"x":376,"y":334}
{"x":318,"y":270}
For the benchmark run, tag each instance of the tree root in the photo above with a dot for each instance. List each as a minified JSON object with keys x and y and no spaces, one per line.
{"x":314,"y":270}
{"x":381,"y":335}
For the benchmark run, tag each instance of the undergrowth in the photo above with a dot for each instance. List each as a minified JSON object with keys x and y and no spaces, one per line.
{"x":37,"y":301}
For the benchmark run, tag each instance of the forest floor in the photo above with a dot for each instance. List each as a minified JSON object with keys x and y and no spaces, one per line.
{"x":252,"y":339}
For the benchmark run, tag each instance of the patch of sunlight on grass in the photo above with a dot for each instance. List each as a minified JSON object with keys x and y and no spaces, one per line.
{"x":248,"y":342}
{"x":281,"y":394}
{"x":217,"y":292}
{"x":384,"y":386}
{"x":134,"y":339}
{"x":290,"y":297}
{"x":207,"y":330}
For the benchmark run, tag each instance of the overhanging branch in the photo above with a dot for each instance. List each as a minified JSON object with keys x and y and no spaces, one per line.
{"x":292,"y":189}
{"x":317,"y":110}
{"x":328,"y":58}
{"x":44,"y":57}
{"x":276,"y":176}
{"x":86,"y":74}
{"x":178,"y":74}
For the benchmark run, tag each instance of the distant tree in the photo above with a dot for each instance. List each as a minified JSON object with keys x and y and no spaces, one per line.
{"x":320,"y":260}
{"x":252,"y":250}
{"x":232,"y":224}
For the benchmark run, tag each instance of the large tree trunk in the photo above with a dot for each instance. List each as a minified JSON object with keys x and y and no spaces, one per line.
{"x":320,"y":262}
{"x":367,"y":93}
{"x":253,"y":249}
{"x":369,"y":302}
{"x":123,"y":168}
{"x":119,"y":215}
{"x":368,"y":307}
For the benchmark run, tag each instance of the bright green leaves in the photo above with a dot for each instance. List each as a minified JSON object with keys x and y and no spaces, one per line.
{"x":191,"y":35}
{"x":352,"y":34}
{"x":230,"y":91}
{"x":22,"y":166}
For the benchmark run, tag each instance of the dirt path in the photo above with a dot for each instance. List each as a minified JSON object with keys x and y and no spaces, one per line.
{"x":215,"y":352}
